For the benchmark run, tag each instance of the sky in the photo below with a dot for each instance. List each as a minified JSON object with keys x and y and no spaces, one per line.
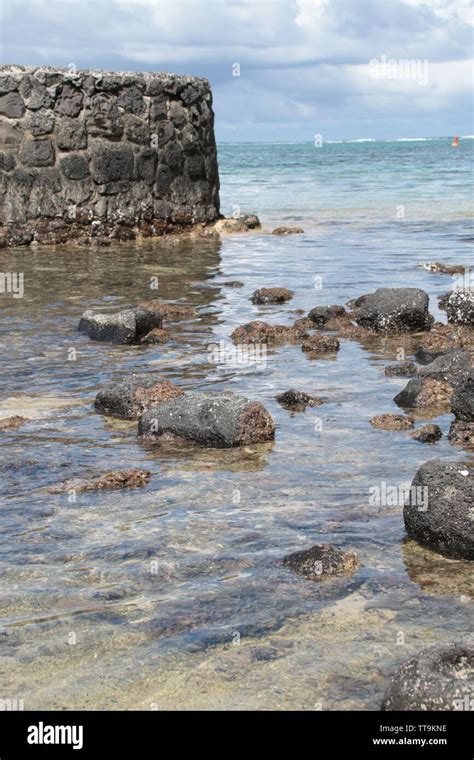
{"x":280,"y":70}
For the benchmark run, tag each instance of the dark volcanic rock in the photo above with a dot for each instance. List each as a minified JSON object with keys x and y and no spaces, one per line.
{"x":428,"y":434}
{"x":298,"y":400}
{"x":394,"y":310}
{"x":462,"y":433}
{"x":320,"y":315}
{"x":452,"y":366}
{"x":220,"y":420}
{"x":460,"y":307}
{"x":171,"y":312}
{"x":122,"y":327}
{"x":438,"y":513}
{"x":391,"y":422}
{"x":322,"y":561}
{"x":440,"y":678}
{"x":462,"y":402}
{"x":435,"y":382}
{"x":130,"y":397}
{"x":423,"y":356}
{"x":107,"y":481}
{"x":402,"y":369}
{"x":271,"y":295}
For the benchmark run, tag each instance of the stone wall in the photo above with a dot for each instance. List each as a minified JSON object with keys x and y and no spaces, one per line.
{"x":94,"y":155}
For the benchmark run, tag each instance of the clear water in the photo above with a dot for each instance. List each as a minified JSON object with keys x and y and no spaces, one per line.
{"x":172,"y":596}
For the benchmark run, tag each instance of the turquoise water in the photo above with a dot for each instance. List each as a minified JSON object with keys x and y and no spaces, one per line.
{"x":173,"y":595}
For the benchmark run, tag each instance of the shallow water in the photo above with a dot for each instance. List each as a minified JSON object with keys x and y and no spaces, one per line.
{"x":172,"y":595}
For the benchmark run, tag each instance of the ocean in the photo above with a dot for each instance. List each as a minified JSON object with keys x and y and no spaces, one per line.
{"x":173,"y":596}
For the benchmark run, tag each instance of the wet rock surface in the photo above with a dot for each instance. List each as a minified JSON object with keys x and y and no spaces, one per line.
{"x":435,"y":382}
{"x":127,"y":326}
{"x":298,"y":400}
{"x":218,"y":420}
{"x":108,"y":481}
{"x":438,"y":512}
{"x":322,"y":561}
{"x":402,"y":369}
{"x":271,"y":295}
{"x":460,"y":307}
{"x":263,"y":332}
{"x":320,"y":315}
{"x":440,"y":678}
{"x":428,"y":434}
{"x":391,"y":422}
{"x":462,"y":402}
{"x":461,"y":432}
{"x":242,"y":223}
{"x":287,"y":231}
{"x":320,"y":344}
{"x":130,"y":397}
{"x":12,"y":423}
{"x":393,"y":310}
{"x":170,"y":312}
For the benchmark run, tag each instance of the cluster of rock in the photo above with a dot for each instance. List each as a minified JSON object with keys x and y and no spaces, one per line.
{"x":94,"y":154}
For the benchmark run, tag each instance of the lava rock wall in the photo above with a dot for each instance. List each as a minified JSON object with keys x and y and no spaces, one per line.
{"x":94,"y":155}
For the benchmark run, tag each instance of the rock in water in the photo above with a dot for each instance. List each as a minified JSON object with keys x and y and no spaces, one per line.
{"x":393,"y":310}
{"x":391,"y":422}
{"x":271,"y":295}
{"x":12,"y":423}
{"x":438,"y":513}
{"x":462,"y":406}
{"x":435,"y":382}
{"x":220,"y":420}
{"x":264,"y":333}
{"x":293,"y":399}
{"x":460,"y":307}
{"x":440,"y":678}
{"x":320,"y":315}
{"x":130,"y":397}
{"x":107,"y":481}
{"x":122,"y":327}
{"x":402,"y":369}
{"x":322,"y":561}
{"x":428,"y":434}
{"x":288,"y":231}
{"x":320,"y":344}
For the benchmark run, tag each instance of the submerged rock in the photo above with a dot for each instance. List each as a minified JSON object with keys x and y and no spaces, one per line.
{"x":12,"y":423}
{"x":127,"y":326}
{"x":298,"y":400}
{"x":393,"y":310}
{"x":428,"y":434}
{"x":320,"y":344}
{"x":402,"y":369}
{"x":107,"y":481}
{"x":391,"y":422}
{"x":240,"y":223}
{"x":233,"y":284}
{"x":287,"y":231}
{"x":220,"y":420}
{"x":130,"y":397}
{"x":460,"y":307}
{"x":320,"y":315}
{"x":437,"y":266}
{"x":271,"y":295}
{"x":322,"y":561}
{"x":157,"y":335}
{"x":262,"y":332}
{"x":170,"y":312}
{"x":438,"y":513}
{"x":440,"y":678}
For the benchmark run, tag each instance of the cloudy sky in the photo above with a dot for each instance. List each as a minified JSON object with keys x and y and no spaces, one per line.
{"x":304,"y":65}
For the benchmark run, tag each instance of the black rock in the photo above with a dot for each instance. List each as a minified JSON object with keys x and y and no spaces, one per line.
{"x":460,"y":307}
{"x":322,"y":561}
{"x":293,"y":399}
{"x":394,"y":310}
{"x":438,"y":512}
{"x":462,"y":402}
{"x":130,"y":397}
{"x":440,"y":678}
{"x":219,"y":420}
{"x":122,"y":327}
{"x":322,"y":314}
{"x":402,"y":369}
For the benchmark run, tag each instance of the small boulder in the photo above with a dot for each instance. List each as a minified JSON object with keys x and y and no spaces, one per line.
{"x":438,"y":513}
{"x":320,"y":315}
{"x":435,"y":382}
{"x":287,"y":231}
{"x":271,"y":295}
{"x":298,"y":400}
{"x":130,"y":397}
{"x":392,"y":422}
{"x":170,"y":312}
{"x":440,"y":678}
{"x":428,"y":434}
{"x":122,"y":327}
{"x":262,"y":332}
{"x":219,"y":420}
{"x":402,"y":369}
{"x":320,"y":344}
{"x":437,"y":266}
{"x":157,"y":335}
{"x":233,"y":284}
{"x":461,"y":432}
{"x":322,"y":561}
{"x":107,"y":481}
{"x":241,"y":223}
{"x":393,"y":310}
{"x":462,"y":402}
{"x":460,"y":307}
